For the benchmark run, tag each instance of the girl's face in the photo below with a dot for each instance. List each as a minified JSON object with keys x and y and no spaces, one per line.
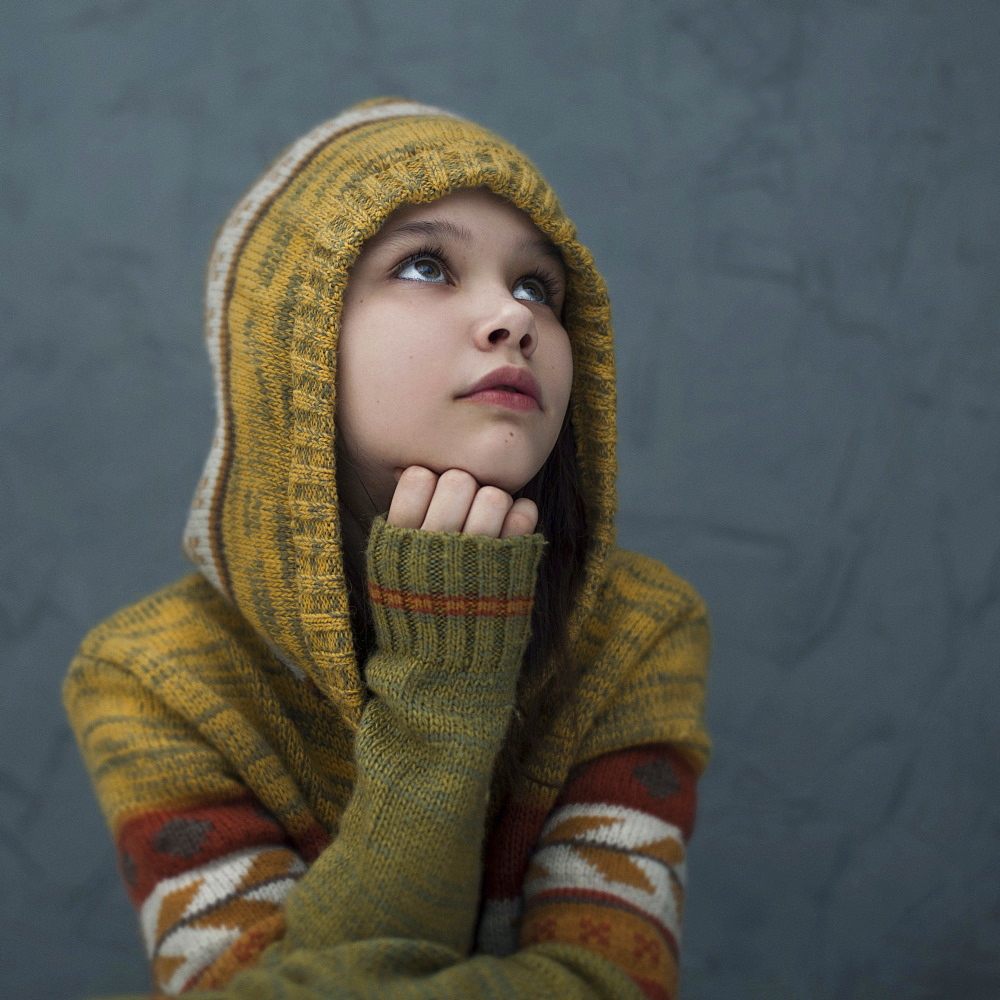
{"x":452,"y":351}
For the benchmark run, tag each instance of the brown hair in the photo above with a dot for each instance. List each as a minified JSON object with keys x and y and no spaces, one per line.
{"x":548,"y":674}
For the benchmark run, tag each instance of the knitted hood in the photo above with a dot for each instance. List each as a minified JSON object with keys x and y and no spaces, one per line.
{"x":264,"y":527}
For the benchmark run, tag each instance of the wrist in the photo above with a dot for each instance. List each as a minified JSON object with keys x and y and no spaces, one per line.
{"x":449,"y":597}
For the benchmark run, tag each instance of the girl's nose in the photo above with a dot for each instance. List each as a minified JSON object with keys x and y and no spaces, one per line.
{"x":511,"y":325}
{"x":526,"y":342}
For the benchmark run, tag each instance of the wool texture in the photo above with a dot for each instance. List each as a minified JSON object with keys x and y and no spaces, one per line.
{"x":293,"y":823}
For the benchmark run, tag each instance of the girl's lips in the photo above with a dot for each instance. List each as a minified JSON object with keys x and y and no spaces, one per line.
{"x":511,"y":387}
{"x":506,"y":398}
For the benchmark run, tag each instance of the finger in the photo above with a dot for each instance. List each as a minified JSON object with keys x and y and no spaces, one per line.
{"x":489,"y":508}
{"x":412,"y":497}
{"x":449,"y":507}
{"x":521,"y":519}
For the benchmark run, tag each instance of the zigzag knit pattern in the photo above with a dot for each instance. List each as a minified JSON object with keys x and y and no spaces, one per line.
{"x":208,"y":881}
{"x":604,"y":870}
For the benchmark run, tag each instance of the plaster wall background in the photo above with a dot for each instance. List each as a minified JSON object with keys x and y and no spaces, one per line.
{"x":797,"y":207}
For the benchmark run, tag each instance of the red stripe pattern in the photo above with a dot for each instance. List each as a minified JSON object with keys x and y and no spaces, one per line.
{"x":443,"y":604}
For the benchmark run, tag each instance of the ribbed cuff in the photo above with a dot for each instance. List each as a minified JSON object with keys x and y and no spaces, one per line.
{"x":450,"y":598}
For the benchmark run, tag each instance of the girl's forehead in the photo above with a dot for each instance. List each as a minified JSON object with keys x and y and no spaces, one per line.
{"x":469,"y":215}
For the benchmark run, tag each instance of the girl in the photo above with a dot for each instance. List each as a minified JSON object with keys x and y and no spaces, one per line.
{"x":432,"y":752}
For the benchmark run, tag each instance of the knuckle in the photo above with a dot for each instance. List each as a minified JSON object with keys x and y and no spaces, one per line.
{"x":495,"y":498}
{"x":524,"y":516}
{"x":457,"y":479}
{"x":417,"y":475}
{"x":521,"y":520}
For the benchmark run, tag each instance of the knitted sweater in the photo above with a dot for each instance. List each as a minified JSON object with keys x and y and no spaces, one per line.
{"x":293,"y":823}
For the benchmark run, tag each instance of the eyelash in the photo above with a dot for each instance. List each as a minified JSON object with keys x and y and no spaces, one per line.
{"x":549,"y":283}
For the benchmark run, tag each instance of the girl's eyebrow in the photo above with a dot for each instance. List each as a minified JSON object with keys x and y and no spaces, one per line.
{"x":433,"y":228}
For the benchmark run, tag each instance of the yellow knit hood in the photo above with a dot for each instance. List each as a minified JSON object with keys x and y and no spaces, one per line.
{"x":264,"y":527}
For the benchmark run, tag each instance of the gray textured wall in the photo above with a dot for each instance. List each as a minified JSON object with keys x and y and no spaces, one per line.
{"x":797,"y":206}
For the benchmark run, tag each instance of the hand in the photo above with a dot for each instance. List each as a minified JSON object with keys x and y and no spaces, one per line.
{"x":454,"y":501}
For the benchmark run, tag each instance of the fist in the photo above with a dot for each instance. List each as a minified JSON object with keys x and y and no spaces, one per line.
{"x":454,"y":501}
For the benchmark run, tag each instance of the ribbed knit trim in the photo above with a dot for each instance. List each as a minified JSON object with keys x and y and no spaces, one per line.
{"x":452,"y":598}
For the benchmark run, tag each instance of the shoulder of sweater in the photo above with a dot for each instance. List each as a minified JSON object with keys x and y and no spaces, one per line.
{"x":640,"y":606}
{"x":635,"y":585}
{"x":188,"y":612}
{"x":644,"y":650}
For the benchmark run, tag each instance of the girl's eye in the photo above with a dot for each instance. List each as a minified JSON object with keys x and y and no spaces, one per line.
{"x":533,"y":290}
{"x":422,"y":269}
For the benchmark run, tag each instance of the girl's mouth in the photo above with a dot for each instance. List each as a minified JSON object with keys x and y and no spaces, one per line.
{"x":505,"y":396}
{"x":511,"y":387}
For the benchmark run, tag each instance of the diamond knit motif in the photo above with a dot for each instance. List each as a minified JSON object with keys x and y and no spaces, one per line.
{"x":182,"y":837}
